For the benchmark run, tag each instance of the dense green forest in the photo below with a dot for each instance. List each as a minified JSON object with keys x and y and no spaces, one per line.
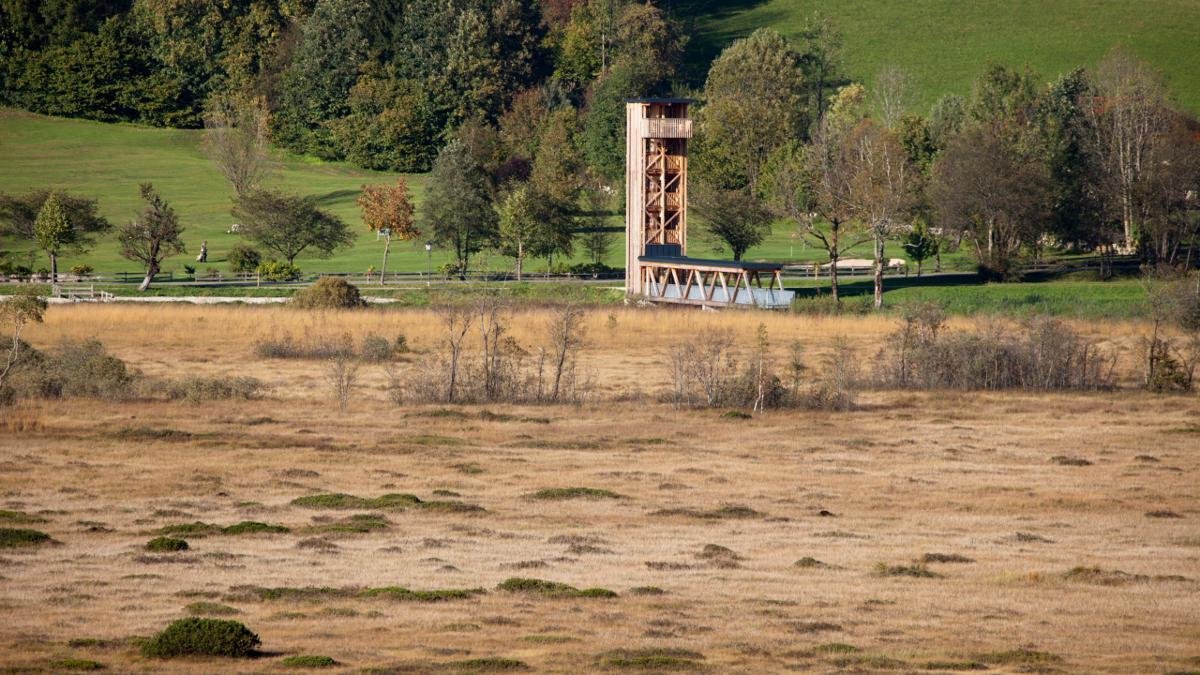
{"x":515,"y":110}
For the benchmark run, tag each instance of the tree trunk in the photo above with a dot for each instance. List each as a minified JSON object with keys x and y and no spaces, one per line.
{"x":387,"y":245}
{"x":918,"y":269}
{"x":53,"y":267}
{"x":151,"y":270}
{"x":520,"y":259}
{"x":833,"y":264}
{"x":878,"y":271}
{"x":937,"y":260}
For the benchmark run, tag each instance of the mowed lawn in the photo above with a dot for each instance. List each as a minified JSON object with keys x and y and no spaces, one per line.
{"x":944,"y":44}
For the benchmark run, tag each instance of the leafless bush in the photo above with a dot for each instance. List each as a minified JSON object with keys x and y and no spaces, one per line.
{"x":1172,"y":351}
{"x":312,"y":346}
{"x":478,"y":361}
{"x":342,"y":376}
{"x":566,"y":340}
{"x":1035,"y":354}
{"x":709,"y":371}
{"x":837,"y":383}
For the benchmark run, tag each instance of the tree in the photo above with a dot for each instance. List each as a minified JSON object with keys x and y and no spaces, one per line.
{"x":733,"y":218}
{"x":17,"y":312}
{"x":457,"y":208}
{"x":52,"y":231}
{"x":821,"y":59}
{"x":946,"y":119}
{"x":920,"y":244}
{"x":237,"y":140}
{"x":879,"y":186}
{"x":1130,"y":108}
{"x":288,"y":225}
{"x":893,"y":94}
{"x":388,"y":210}
{"x":154,"y":236}
{"x":648,"y":44}
{"x":756,"y":101}
{"x":73,"y":227}
{"x":814,"y":186}
{"x":983,"y":189}
{"x":316,"y":86}
{"x":1168,"y":195}
{"x":518,"y":227}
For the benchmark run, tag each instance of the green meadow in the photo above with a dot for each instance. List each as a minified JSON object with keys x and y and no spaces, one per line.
{"x":944,"y":44}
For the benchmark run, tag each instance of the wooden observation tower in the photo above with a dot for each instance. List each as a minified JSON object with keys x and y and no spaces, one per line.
{"x":656,"y":264}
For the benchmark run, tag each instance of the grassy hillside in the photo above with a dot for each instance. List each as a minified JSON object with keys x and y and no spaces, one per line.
{"x":945,"y":43}
{"x":108,"y":161}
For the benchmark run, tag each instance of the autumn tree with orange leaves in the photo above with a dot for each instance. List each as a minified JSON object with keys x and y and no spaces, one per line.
{"x":388,"y":211}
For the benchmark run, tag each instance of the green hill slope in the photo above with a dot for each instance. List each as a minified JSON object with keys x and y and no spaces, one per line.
{"x":944,"y":44}
{"x":108,"y":161}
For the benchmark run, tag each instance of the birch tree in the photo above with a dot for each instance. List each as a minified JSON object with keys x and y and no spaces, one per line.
{"x":1128,"y":111}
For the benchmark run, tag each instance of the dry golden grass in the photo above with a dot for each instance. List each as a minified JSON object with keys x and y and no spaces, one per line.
{"x":906,"y":475}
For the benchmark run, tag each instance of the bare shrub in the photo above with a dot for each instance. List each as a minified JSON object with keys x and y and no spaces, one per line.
{"x":837,"y":382}
{"x":198,"y":388}
{"x":709,"y":371}
{"x":566,"y":340}
{"x":312,"y":346}
{"x":478,"y":361}
{"x":342,"y":376}
{"x":1040,"y":353}
{"x":1172,"y":351}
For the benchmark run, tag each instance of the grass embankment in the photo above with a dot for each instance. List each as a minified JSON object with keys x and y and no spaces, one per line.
{"x":961,"y":295}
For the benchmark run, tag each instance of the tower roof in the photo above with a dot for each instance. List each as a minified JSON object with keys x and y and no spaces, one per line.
{"x":657,"y":99}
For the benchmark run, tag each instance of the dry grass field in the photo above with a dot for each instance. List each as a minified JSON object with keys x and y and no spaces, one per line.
{"x":928,"y":532}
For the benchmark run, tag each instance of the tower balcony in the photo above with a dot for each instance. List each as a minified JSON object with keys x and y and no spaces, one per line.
{"x":666,"y":127}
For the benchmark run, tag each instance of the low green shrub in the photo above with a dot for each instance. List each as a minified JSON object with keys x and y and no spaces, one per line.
{"x":575,"y":493}
{"x":243,"y":259}
{"x":487,"y":664}
{"x":376,"y":348}
{"x":202,"y":637}
{"x":918,"y":570}
{"x":651,"y":658}
{"x":551,"y":589}
{"x":205,"y":608}
{"x":340,"y":500}
{"x":308,"y":661}
{"x":254,"y":527}
{"x":196,"y":529}
{"x":15,"y":537}
{"x":78,"y":664}
{"x":402,"y":594}
{"x":19,"y":517}
{"x":166,"y":545}
{"x":274,"y":270}
{"x":329,"y":293}
{"x":358,"y":523}
{"x":74,"y":369}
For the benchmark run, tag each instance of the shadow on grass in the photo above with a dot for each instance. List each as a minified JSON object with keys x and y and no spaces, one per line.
{"x":849,"y":287}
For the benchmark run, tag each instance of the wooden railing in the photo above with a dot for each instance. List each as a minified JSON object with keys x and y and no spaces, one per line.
{"x":668,"y":127}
